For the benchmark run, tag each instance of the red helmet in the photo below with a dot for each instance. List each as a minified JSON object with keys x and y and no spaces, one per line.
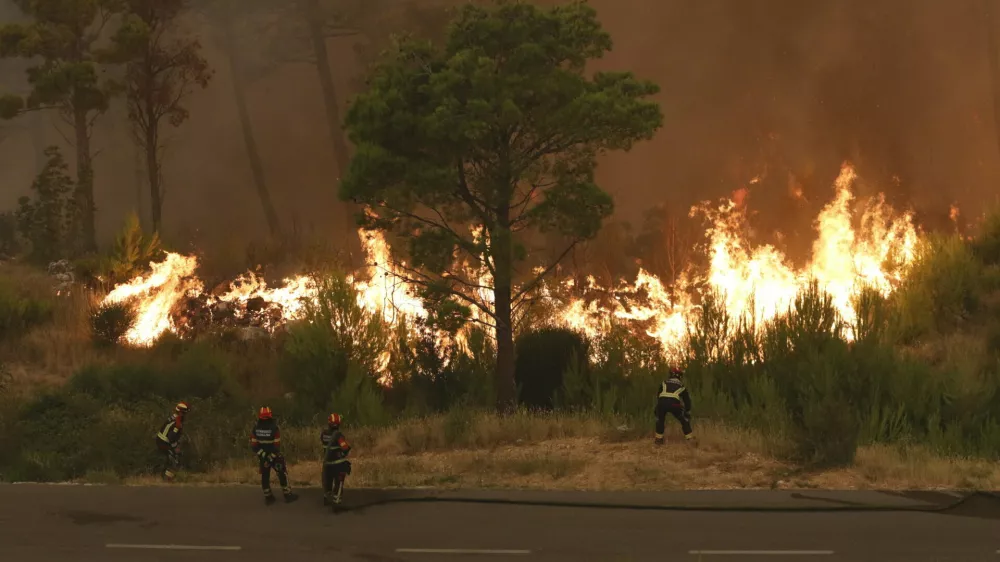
{"x":334,"y":420}
{"x":676,"y":371}
{"x":181,"y":408}
{"x":264,"y":413}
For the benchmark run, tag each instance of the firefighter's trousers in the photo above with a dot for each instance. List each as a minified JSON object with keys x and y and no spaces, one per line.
{"x":278,"y":465}
{"x":171,"y":459}
{"x":334,"y":475}
{"x":675,"y":408}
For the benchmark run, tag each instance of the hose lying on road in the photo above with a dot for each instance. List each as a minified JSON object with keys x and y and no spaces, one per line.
{"x":849,"y":506}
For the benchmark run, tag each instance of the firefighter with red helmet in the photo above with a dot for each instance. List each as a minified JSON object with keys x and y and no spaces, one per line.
{"x":265,"y":441}
{"x":673,"y":399}
{"x":168,"y":440}
{"x":336,"y":467}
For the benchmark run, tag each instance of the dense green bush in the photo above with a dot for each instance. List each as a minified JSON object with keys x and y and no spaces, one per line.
{"x":109,"y":322}
{"x":19,"y":313}
{"x":542,"y":358}
{"x":335,"y":334}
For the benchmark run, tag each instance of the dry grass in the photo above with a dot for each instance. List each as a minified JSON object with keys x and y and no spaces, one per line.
{"x":48,"y":354}
{"x":578,"y":453}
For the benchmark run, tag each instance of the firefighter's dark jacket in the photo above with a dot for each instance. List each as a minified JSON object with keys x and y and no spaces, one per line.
{"x":335,"y":446}
{"x":674,"y":390}
{"x":265,"y":437}
{"x":171,"y":431}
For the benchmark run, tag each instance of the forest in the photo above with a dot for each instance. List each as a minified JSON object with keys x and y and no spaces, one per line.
{"x":446,"y":264}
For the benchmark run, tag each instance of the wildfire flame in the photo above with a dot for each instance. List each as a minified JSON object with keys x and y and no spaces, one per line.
{"x":757,"y":283}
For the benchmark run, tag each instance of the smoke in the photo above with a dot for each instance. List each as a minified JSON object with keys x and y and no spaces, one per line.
{"x":781,"y":90}
{"x":787,"y":90}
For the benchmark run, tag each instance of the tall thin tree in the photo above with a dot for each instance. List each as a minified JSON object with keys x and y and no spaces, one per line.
{"x":66,"y":74}
{"x":163,"y":67}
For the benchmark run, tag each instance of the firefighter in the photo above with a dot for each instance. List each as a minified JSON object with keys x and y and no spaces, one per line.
{"x":673,"y":399}
{"x":336,"y":467}
{"x":265,"y":441}
{"x":168,"y":441}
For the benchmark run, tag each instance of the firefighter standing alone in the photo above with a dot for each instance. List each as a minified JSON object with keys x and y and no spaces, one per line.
{"x":673,"y":399}
{"x":336,"y":467}
{"x":168,"y":441}
{"x":265,"y":441}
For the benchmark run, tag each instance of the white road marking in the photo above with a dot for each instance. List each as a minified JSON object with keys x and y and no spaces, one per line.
{"x":172,"y":547}
{"x":459,"y":551}
{"x":763,"y":552}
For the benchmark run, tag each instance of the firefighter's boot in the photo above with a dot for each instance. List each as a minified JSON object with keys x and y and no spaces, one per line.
{"x":290,"y":497}
{"x":658,"y":440}
{"x":268,"y":498}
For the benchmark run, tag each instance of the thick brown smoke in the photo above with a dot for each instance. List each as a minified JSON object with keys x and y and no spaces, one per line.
{"x":782,"y":90}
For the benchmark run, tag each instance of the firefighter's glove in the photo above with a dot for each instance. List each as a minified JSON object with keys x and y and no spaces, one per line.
{"x":262,"y":454}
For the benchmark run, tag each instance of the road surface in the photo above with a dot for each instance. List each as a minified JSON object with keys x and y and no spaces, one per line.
{"x":221,"y":524}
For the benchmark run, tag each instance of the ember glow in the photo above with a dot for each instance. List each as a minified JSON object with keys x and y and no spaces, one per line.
{"x":756,"y":282}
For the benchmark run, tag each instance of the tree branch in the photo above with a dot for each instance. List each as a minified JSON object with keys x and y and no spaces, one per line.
{"x":538,"y":278}
{"x":425,"y":280}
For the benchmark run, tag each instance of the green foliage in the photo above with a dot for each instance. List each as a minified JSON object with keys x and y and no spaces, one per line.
{"x":941,"y":288}
{"x":986,"y":245}
{"x":198,"y":371}
{"x":10,"y":240}
{"x":133,"y":251}
{"x":502,"y":129}
{"x":109,"y":322}
{"x":65,"y":74}
{"x":335,"y":334}
{"x":46,"y":219}
{"x":20,"y":313}
{"x":359,"y":398}
{"x":543,"y":356}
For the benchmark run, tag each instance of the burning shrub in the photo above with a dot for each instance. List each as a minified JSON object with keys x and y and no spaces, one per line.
{"x":941,"y":288}
{"x":110,"y":321}
{"x":335,"y":333}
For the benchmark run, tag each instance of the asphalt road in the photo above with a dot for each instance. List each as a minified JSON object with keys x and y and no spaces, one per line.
{"x":219,"y":524}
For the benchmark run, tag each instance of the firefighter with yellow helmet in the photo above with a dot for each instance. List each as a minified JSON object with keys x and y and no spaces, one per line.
{"x":673,"y":399}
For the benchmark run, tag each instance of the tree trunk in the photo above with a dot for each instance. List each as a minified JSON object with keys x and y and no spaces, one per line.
{"x":341,"y":150}
{"x":84,"y":195}
{"x":153,"y":173}
{"x":503,"y":261}
{"x":38,"y":141}
{"x":256,"y":166}
{"x":994,"y":58}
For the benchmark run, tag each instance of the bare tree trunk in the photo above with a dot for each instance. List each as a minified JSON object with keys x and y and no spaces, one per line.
{"x":341,"y":149}
{"x":38,"y":140}
{"x":140,"y":183}
{"x":256,"y":166}
{"x":153,"y":173}
{"x":502,"y":285}
{"x":84,"y":195}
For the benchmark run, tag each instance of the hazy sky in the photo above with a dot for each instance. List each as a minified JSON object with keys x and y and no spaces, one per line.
{"x":784,"y":86}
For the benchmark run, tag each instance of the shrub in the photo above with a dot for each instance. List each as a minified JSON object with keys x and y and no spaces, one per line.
{"x":20,"y":313}
{"x":986,"y":244}
{"x":133,"y":251}
{"x":46,"y":220}
{"x":335,"y":333}
{"x":197,"y":372}
{"x":941,"y":288}
{"x":109,"y":322}
{"x":542,"y":358}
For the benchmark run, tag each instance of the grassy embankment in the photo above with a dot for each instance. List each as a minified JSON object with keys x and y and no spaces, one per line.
{"x":913,"y":402}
